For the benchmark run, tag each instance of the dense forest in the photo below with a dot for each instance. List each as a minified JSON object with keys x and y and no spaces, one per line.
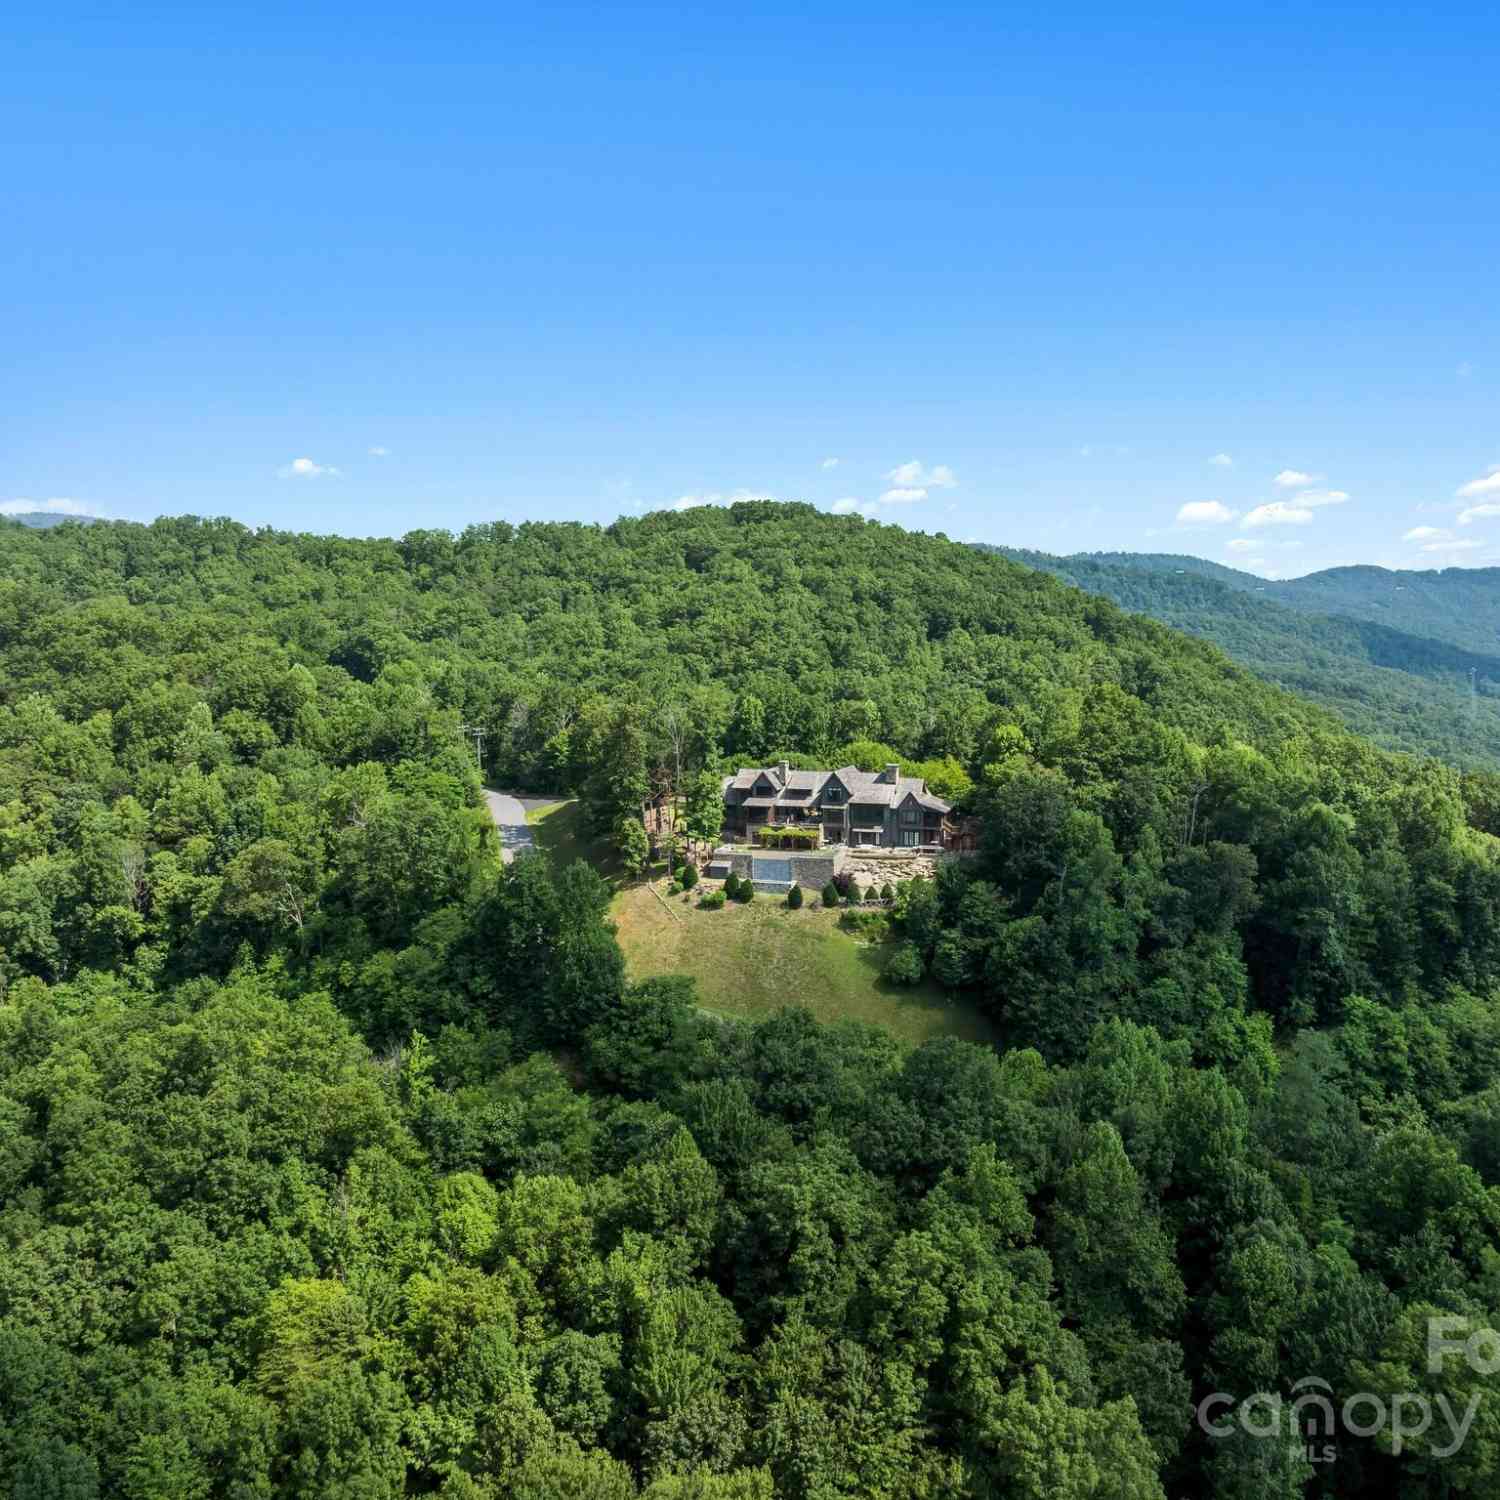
{"x":339,"y":1160}
{"x":1431,"y":687}
{"x":1458,"y":605}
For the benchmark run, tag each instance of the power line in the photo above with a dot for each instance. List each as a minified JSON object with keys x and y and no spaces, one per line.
{"x":479,"y":733}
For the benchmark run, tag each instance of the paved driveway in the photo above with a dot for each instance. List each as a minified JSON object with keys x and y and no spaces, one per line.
{"x":510,"y":819}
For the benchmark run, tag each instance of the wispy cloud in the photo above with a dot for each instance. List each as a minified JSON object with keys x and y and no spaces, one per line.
{"x":1479,"y":512}
{"x":58,"y":507}
{"x":1278,"y":513}
{"x":913,"y":476}
{"x":1314,"y":498}
{"x":1425,"y":534}
{"x":1222,"y":461}
{"x":1488,"y":484}
{"x":305,"y":468}
{"x":830,"y":463}
{"x":379,"y":452}
{"x":849,"y":506}
{"x":903,"y":495}
{"x":1242,"y":544}
{"x":1205,"y":513}
{"x":1294,"y":479}
{"x":1461,"y":544}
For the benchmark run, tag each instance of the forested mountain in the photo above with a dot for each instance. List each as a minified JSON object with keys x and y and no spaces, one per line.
{"x":1458,"y":605}
{"x":1405,"y":690}
{"x":42,"y":519}
{"x":1461,"y":605}
{"x":337,"y":1160}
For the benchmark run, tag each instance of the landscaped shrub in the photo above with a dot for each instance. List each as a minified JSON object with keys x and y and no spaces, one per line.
{"x":689,"y":876}
{"x":794,"y":897}
{"x":904,"y":966}
{"x":830,"y":894}
{"x":874,"y":926}
{"x":732,"y":885}
{"x":854,"y":895}
{"x":887,"y":892}
{"x":711,"y":900}
{"x":746,"y":891}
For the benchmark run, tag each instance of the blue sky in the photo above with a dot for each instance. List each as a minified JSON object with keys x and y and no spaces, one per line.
{"x":1041,"y":276}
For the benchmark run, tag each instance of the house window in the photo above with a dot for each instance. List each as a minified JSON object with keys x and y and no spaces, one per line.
{"x":908,"y":815}
{"x":832,"y":794}
{"x":909,"y":836}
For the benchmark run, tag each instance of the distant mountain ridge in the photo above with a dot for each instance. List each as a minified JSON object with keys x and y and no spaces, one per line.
{"x":1457,"y":605}
{"x":1392,"y":654}
{"x":41,"y":519}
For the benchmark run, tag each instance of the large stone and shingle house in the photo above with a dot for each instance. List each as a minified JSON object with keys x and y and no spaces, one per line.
{"x":861,"y":808}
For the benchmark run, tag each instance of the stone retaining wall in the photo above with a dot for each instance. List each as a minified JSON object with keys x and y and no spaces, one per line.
{"x":810,"y":871}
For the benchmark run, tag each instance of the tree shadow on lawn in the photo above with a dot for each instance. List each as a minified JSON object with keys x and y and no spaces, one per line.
{"x":916,"y":997}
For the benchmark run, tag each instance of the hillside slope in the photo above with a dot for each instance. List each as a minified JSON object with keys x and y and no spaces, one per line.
{"x":339,"y":1158}
{"x":1459,"y":605}
{"x":1404,"y":691}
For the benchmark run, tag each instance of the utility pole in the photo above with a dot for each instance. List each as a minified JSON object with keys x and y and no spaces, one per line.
{"x":479,"y":733}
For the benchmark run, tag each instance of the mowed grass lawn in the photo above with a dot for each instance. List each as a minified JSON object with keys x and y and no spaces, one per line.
{"x":562,"y":834}
{"x":751,"y":960}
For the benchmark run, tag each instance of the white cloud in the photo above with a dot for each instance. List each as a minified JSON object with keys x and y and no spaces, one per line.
{"x":913,"y":475}
{"x":305,"y":468}
{"x":60,"y":507}
{"x":1322,"y":497}
{"x":1294,"y":479}
{"x":379,"y":452}
{"x":1478,"y":512}
{"x":1278,"y":513}
{"x":1241,"y":544}
{"x":1464,"y":544}
{"x":902,"y":496}
{"x":1488,"y":485}
{"x":1425,"y":534}
{"x":1222,"y":461}
{"x":830,"y":463}
{"x":849,"y":506}
{"x":1205,"y":513}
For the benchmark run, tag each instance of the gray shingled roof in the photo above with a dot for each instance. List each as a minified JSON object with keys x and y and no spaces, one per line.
{"x":865,"y":787}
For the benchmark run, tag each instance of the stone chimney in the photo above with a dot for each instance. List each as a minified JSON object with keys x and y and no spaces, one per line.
{"x":783,"y":770}
{"x":890,"y":773}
